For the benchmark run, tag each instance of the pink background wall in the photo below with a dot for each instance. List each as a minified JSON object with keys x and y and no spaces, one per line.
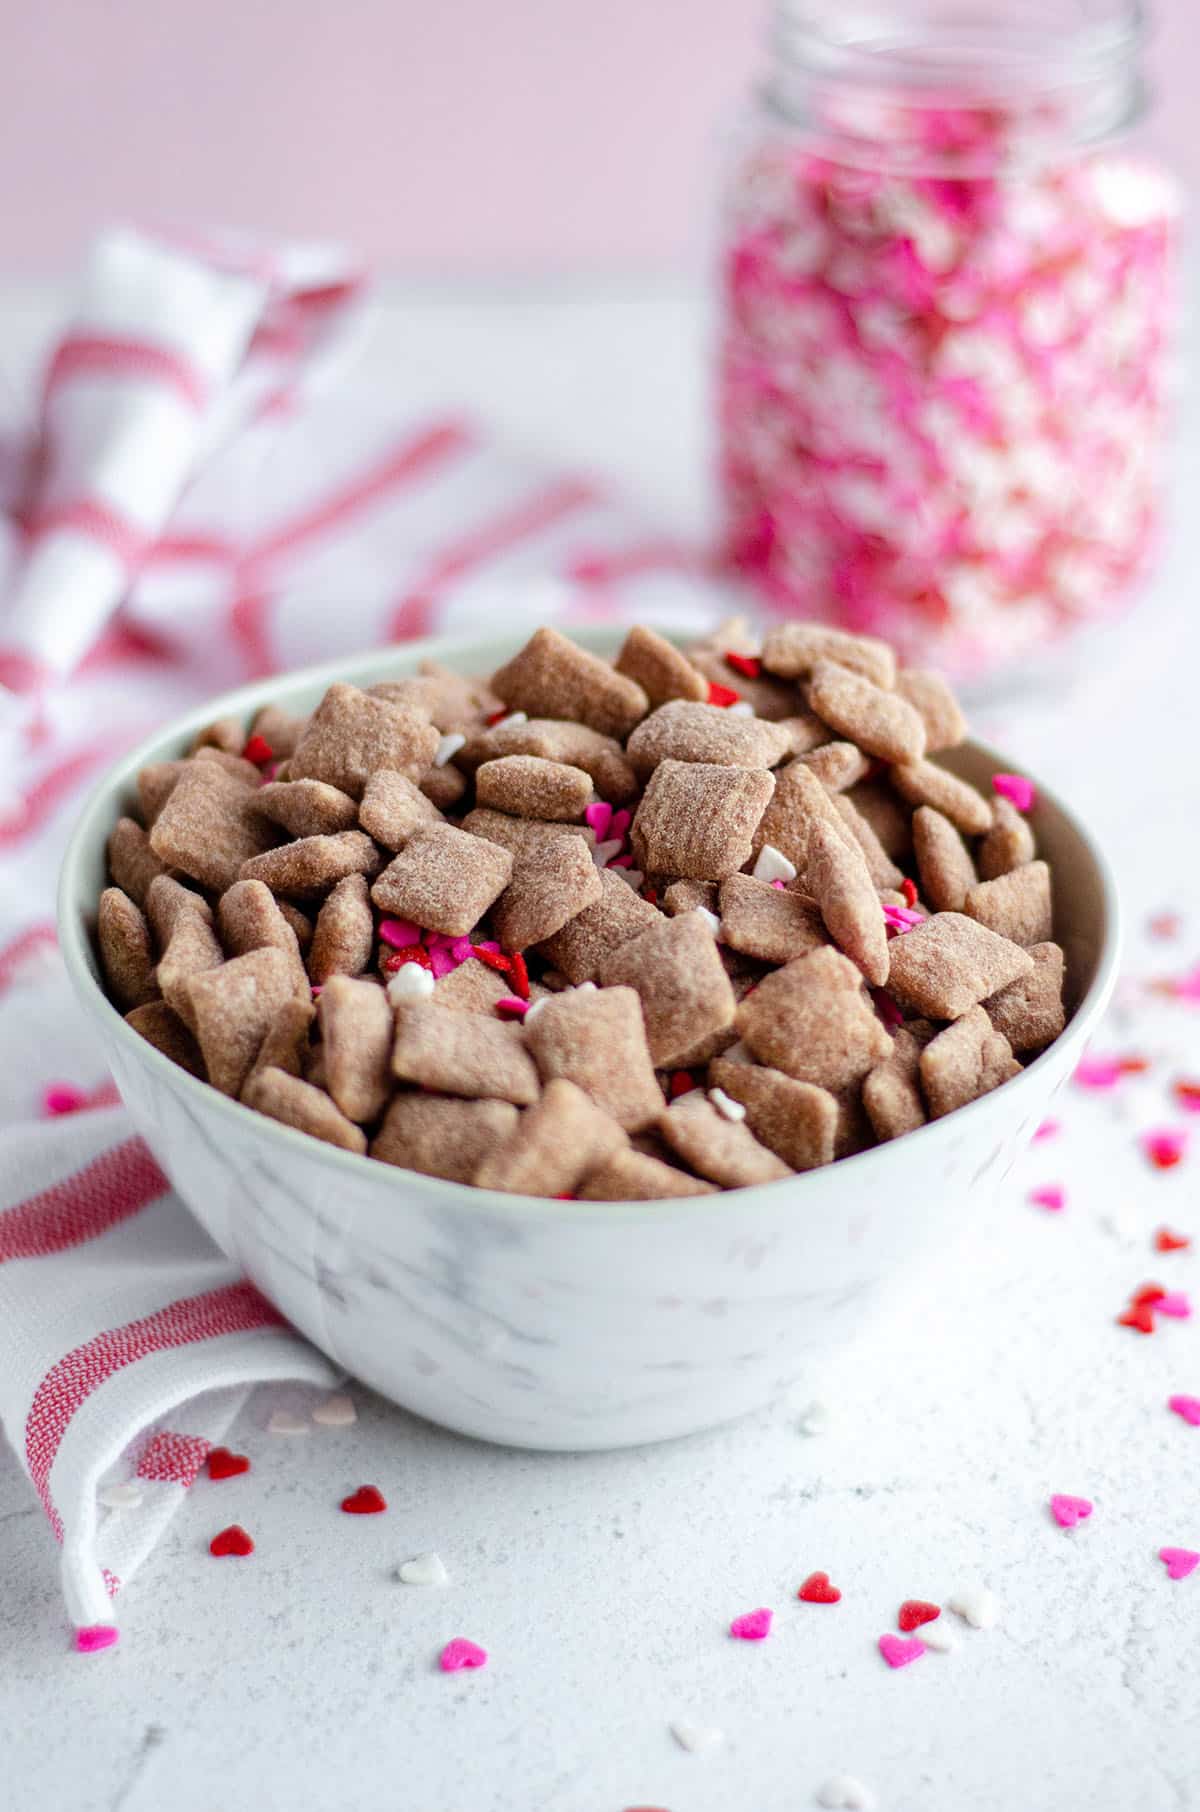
{"x":462,"y":135}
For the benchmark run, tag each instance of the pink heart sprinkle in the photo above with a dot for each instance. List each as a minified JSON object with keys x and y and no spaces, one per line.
{"x":1049,"y":1195}
{"x":95,"y":1636}
{"x":459,"y":1654}
{"x":399,"y":933}
{"x":440,"y":961}
{"x":1179,"y":1562}
{"x":1165,"y":1146}
{"x":752,"y":1626}
{"x":1049,"y":1129}
{"x":1187,"y":1407}
{"x":1017,"y":790}
{"x":780,"y":885}
{"x":62,"y":1098}
{"x":898,"y":1651}
{"x":1188,"y":986}
{"x":1067,"y":1511}
{"x":1175,"y":1303}
{"x":1098,"y":1072}
{"x":599,"y":817}
{"x":620,"y":823}
{"x":514,"y":1007}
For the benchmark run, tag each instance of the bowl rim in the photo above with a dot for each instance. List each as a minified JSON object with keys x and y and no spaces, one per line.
{"x":75,"y":947}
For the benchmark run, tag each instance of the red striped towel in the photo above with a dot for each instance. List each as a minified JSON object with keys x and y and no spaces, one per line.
{"x":200,"y":514}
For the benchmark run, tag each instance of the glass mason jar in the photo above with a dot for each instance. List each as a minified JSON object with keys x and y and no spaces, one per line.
{"x":945,"y":322}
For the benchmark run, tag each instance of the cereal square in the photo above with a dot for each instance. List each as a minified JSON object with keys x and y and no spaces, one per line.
{"x":943,"y":860}
{"x":771,"y":924}
{"x":528,"y":786}
{"x":132,"y":864}
{"x":556,"y":1142}
{"x":596,"y":1038}
{"x":351,"y":734}
{"x":162,"y":1027}
{"x":840,"y":884}
{"x":462,"y":1054}
{"x":549,"y":886}
{"x":792,"y":650}
{"x":948,"y":964}
{"x":925,"y":783}
{"x":633,"y":1176}
{"x":813,"y":1020}
{"x":880,"y":867}
{"x":795,"y":1120}
{"x":968,"y":1059}
{"x":210,"y":826}
{"x":601,"y":757}
{"x":1008,"y":844}
{"x":343,"y":941}
{"x":891,"y":1093}
{"x":697,"y":820}
{"x":307,"y":808}
{"x":233,"y":1008}
{"x":393,"y":807}
{"x":311,"y":866}
{"x":882,"y":723}
{"x":440,"y":1136}
{"x":936,"y":705}
{"x":1016,"y":904}
{"x":551,"y":677}
{"x":1030,"y":1012}
{"x":684,"y":990}
{"x":355,"y":1019}
{"x":723,"y":1150}
{"x":126,"y":957}
{"x":684,"y":731}
{"x":444,"y":879}
{"x":659,"y":668}
{"x":583,"y":943}
{"x":296,"y":1103}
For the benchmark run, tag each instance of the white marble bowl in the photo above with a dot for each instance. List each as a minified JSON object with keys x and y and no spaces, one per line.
{"x":572,"y":1324}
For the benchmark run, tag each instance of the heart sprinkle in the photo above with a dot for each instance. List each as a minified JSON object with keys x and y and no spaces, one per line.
{"x":1179,"y":1562}
{"x":976,"y":1605}
{"x":916,"y":1611}
{"x":423,"y":1570}
{"x":1049,"y":1129}
{"x":95,"y":1636}
{"x":1017,"y":790}
{"x":1174,"y":1303}
{"x":939,"y":1636}
{"x":1049,"y":1195}
{"x":368,"y":1500}
{"x":696,"y":1738}
{"x":233,"y":1540}
{"x":1166,"y":1241}
{"x":1098,"y":1073}
{"x":818,"y":1590}
{"x":283,"y":1422}
{"x":845,"y":1793}
{"x":120,"y":1496}
{"x":752,"y":1626}
{"x":1165,"y":1147}
{"x":222,"y":1464}
{"x":1187,"y":1407}
{"x":898,"y":1651}
{"x":459,"y":1654}
{"x":1067,"y":1511}
{"x":335,"y":1412}
{"x":1140,"y":1316}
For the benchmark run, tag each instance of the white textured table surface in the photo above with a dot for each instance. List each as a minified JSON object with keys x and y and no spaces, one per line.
{"x":603,"y":1586}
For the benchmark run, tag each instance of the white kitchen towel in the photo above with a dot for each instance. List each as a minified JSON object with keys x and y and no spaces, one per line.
{"x":198,"y":515}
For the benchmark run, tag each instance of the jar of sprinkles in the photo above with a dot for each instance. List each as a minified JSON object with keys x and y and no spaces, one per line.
{"x":945,"y":324}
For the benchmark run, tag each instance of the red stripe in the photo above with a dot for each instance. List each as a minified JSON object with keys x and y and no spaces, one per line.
{"x":21,"y":672}
{"x":96,"y":355}
{"x":235,"y":1308}
{"x":98,"y":521}
{"x":249,"y":624}
{"x":41,"y":800}
{"x":411,"y":460}
{"x":603,"y":568}
{"x":512,"y":526}
{"x":173,"y":1459}
{"x":123,"y":641}
{"x":16,"y":955}
{"x":173,"y":550}
{"x":111,"y":1189}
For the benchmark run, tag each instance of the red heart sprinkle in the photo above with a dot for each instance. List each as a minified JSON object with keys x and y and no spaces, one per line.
{"x":496,"y":716}
{"x":1142,"y":1319}
{"x":1166,"y":1241}
{"x":259,"y":751}
{"x":395,"y":960}
{"x":1133,"y":1066}
{"x":225,"y":1465}
{"x":916,"y":1611}
{"x":650,"y":895}
{"x":682,"y":1083}
{"x":748,"y":664}
{"x":368,"y":1500}
{"x":908,"y":889}
{"x":1188,"y":1093}
{"x":1147,"y":1296}
{"x":233,"y":1540}
{"x":520,"y":975}
{"x":495,"y":959}
{"x":722,"y":695}
{"x":817,"y":1590}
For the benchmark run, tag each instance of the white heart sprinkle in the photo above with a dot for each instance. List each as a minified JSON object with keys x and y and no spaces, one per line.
{"x":773,"y":865}
{"x":535,"y":1008}
{"x":634,"y":876}
{"x":938,"y":1635}
{"x":814,"y":1420}
{"x":710,"y":919}
{"x":513,"y":718}
{"x":743,"y":708}
{"x":412,"y":981}
{"x":425,"y":1569}
{"x":282,"y":1421}
{"x":448,"y":748}
{"x":603,"y":853}
{"x":584,"y":987}
{"x":119,"y":1496}
{"x":844,"y":1790}
{"x":726,"y":1106}
{"x":696,"y":1738}
{"x":335,"y":1412}
{"x":976,"y":1606}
